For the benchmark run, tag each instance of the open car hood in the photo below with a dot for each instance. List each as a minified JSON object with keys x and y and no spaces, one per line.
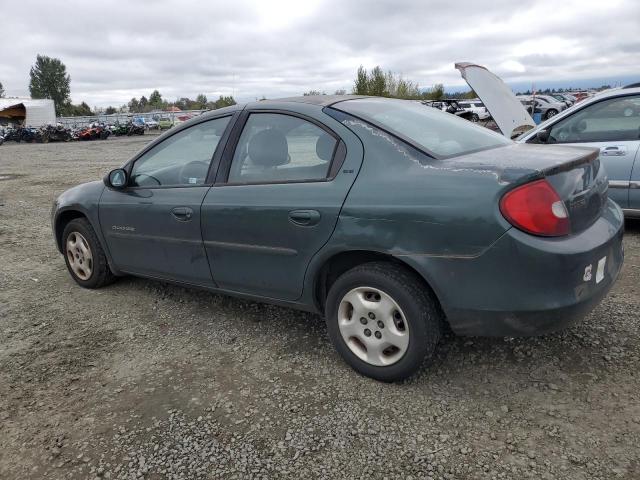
{"x":507,"y":111}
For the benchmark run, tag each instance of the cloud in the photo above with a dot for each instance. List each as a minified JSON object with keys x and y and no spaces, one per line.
{"x":250,"y":48}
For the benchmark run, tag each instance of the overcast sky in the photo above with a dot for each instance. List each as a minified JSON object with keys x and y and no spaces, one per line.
{"x":118,"y":49}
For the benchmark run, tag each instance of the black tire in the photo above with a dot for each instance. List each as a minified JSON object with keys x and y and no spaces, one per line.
{"x":101,"y":274}
{"x":420,"y":309}
{"x":474,"y":118}
{"x":550,"y":113}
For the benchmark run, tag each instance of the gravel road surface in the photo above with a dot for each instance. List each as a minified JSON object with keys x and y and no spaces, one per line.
{"x":147,"y":380}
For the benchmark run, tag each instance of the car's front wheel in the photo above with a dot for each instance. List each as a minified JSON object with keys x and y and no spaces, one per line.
{"x":382,"y":320}
{"x":84,"y":256}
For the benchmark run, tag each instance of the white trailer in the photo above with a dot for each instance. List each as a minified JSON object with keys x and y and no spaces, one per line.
{"x":27,"y":111}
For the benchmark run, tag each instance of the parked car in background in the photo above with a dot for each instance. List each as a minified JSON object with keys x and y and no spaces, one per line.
{"x":387,"y":217}
{"x":450,"y":106}
{"x":579,"y":96}
{"x":477,"y":109}
{"x":547,"y":107}
{"x":552,"y":106}
{"x":165,"y":123}
{"x":569,"y":99}
{"x":152,"y":124}
{"x":608,"y":122}
{"x":561,"y":99}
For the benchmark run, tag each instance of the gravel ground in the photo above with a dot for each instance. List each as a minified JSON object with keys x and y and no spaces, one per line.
{"x":148,"y":380}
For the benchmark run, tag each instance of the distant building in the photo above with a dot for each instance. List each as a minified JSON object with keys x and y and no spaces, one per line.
{"x":27,"y":111}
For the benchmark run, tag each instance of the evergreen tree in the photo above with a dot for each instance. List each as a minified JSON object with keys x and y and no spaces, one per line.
{"x":49,"y":79}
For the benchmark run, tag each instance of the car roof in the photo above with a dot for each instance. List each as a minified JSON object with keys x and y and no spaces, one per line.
{"x":320,"y":100}
{"x":614,"y":92}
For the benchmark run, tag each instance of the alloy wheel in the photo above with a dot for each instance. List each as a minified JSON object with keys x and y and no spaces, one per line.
{"x":79,"y":255}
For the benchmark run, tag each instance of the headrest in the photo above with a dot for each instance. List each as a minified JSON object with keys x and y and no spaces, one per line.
{"x":269,"y":148}
{"x":325,"y":146}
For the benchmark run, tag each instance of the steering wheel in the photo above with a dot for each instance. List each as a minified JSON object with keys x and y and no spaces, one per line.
{"x":137,"y":182}
{"x":193,"y":170}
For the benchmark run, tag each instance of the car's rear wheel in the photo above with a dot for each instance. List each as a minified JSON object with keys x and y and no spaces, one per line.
{"x":84,"y":256}
{"x":382,"y":320}
{"x":551,"y":113}
{"x":474,"y":118}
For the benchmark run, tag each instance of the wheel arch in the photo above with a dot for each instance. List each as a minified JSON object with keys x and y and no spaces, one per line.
{"x":62,"y":220}
{"x":340,"y":262}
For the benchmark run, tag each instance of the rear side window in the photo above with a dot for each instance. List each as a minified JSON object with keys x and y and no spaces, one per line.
{"x":615,"y":119}
{"x":281,"y":148}
{"x":439,"y":134}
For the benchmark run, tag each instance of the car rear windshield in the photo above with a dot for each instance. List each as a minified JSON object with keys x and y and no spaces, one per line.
{"x":439,"y":134}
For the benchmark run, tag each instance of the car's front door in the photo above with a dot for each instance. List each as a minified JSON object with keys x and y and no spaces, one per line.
{"x":278,"y":201}
{"x":613,"y":126}
{"x":152,"y":227}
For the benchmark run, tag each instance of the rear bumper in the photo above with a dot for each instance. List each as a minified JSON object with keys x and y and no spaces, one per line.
{"x":525,"y":285}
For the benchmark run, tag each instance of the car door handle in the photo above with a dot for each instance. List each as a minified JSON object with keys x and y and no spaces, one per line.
{"x":304,"y":217}
{"x":613,"y":151}
{"x":183,"y":214}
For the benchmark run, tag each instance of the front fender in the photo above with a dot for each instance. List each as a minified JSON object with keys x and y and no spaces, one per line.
{"x":81,"y":200}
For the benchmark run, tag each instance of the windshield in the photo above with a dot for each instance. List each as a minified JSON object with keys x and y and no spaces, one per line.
{"x":438,"y":133}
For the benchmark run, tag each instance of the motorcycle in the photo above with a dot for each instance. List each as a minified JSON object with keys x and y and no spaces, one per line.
{"x":11,"y":134}
{"x":94,"y":131}
{"x":120,"y":129}
{"x":135,"y":129}
{"x":27,"y":134}
{"x":56,"y":133}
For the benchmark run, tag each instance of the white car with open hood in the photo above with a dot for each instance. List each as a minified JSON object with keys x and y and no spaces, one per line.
{"x":609,"y":121}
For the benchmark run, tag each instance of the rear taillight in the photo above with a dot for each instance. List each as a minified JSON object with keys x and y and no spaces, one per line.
{"x":536,"y":208}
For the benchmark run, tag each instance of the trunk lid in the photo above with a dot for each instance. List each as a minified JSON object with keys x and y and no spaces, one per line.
{"x":582,"y":185}
{"x":575,"y":173}
{"x":507,"y":111}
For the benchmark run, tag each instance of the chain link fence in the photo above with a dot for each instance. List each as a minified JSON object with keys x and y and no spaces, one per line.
{"x":174,"y":117}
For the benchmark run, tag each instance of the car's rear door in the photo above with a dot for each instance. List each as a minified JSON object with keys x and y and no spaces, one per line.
{"x":277,"y":199}
{"x":152,"y":227}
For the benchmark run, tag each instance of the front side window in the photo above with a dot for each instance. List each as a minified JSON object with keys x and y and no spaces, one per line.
{"x":616,"y":119}
{"x":440,"y":134}
{"x":182,"y":159}
{"x":281,"y":148}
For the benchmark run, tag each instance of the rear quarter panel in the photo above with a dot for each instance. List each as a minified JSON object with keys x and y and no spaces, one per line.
{"x":406,"y":202}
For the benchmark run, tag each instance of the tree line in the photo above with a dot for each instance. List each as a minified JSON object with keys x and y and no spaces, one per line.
{"x":156,"y":102}
{"x":379,"y":83}
{"x":48,"y":78}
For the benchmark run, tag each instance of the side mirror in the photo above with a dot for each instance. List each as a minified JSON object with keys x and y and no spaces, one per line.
{"x":116,"y":179}
{"x":543,"y":135}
